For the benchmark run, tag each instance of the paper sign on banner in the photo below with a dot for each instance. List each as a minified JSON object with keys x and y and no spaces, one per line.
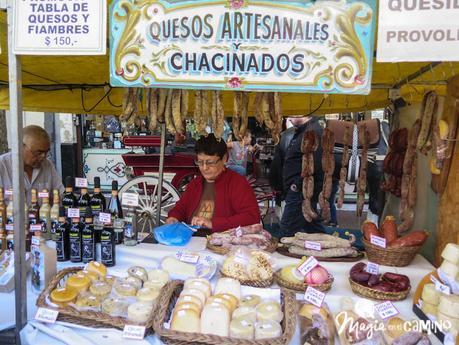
{"x":439,"y":286}
{"x":105,"y":218}
{"x":372,"y":268}
{"x":134,"y":332}
{"x":314,"y":296}
{"x":308,"y":265}
{"x":312,"y":245}
{"x":130,"y":199}
{"x":73,"y":212}
{"x":81,"y":182}
{"x":46,"y":315}
{"x":190,"y":258}
{"x":378,"y":241}
{"x":42,"y":195}
{"x":386,"y":310}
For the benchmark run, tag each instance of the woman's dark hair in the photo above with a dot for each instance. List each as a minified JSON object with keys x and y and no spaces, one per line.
{"x":211,"y":146}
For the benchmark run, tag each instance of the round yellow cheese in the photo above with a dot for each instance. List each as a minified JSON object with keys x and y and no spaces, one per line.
{"x":430,"y":294}
{"x":147,"y":295}
{"x":200,"y":284}
{"x":124,"y":288}
{"x":233,"y":300}
{"x":267,"y":329}
{"x":100,"y":288}
{"x":242,"y":329}
{"x":187,"y":305}
{"x":250,"y":301}
{"x":159,"y":277}
{"x":93,"y":276}
{"x":449,"y":305}
{"x":191,"y":299}
{"x":137,"y":282}
{"x":246,"y":313}
{"x":63,"y":296}
{"x":307,"y":310}
{"x":78,"y":283}
{"x":451,"y":253}
{"x":97,"y":268}
{"x":269,"y":310}
{"x":186,"y":320}
{"x":195,"y":292}
{"x":218,"y":300}
{"x":139,"y":312}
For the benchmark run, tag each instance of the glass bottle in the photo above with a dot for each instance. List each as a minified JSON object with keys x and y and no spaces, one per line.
{"x":69,"y":200}
{"x":43,"y":263}
{"x":45,"y":211}
{"x":61,"y":237}
{"x":2,"y":210}
{"x":75,"y":241}
{"x":107,"y":247}
{"x":87,"y":234}
{"x":83,"y":202}
{"x":130,"y":227}
{"x":114,"y":208}
{"x":54,"y":212}
{"x":97,"y":202}
{"x":34,"y":210}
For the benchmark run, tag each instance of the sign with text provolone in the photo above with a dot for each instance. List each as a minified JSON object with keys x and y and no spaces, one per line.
{"x":293,"y":46}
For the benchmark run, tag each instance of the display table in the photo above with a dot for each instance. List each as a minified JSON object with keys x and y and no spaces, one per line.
{"x":150,"y":255}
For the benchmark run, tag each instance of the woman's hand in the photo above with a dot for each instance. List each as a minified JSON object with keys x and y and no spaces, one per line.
{"x":171,"y":220}
{"x":202,"y":222}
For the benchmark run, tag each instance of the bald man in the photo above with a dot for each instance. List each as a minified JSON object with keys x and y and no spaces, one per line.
{"x":39,"y":172}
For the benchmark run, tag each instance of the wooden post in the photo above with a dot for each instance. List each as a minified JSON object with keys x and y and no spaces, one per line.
{"x":448,"y":215}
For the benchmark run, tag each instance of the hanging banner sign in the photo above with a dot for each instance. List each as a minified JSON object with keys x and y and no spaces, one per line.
{"x":418,"y":30}
{"x":64,"y":27}
{"x":308,"y":46}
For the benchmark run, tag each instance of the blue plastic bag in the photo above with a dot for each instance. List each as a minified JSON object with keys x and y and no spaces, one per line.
{"x":176,"y":234}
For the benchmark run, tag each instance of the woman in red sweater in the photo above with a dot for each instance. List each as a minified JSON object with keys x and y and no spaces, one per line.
{"x":219,"y":199}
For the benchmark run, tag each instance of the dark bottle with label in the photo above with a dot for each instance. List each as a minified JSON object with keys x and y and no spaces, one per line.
{"x":89,"y":244}
{"x":83,"y":202}
{"x":75,"y":241}
{"x":97,"y":202}
{"x":34,"y":209}
{"x":61,"y":236}
{"x":69,"y":200}
{"x":114,"y":208}
{"x":107,"y":247}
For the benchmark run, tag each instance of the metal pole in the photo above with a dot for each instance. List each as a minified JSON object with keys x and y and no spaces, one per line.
{"x":160,"y":174}
{"x":15,"y":90}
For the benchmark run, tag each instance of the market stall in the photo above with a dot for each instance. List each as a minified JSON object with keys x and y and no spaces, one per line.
{"x":224,"y":278}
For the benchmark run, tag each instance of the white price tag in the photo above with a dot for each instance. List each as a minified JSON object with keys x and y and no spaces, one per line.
{"x":312,"y":245}
{"x":35,"y":227}
{"x":372,"y":268}
{"x":378,"y":241}
{"x":46,"y":315}
{"x":439,"y":286}
{"x":35,"y":241}
{"x":386,"y":310}
{"x":130,"y":199}
{"x":105,"y":218}
{"x":81,"y":182}
{"x":308,"y":265}
{"x":43,"y":195}
{"x":191,"y":258}
{"x":73,"y":212}
{"x":9,"y":227}
{"x":134,"y":332}
{"x":239,"y":232}
{"x":9,"y":192}
{"x":314,"y":296}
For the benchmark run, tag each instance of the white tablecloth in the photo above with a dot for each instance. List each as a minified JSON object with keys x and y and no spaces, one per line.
{"x":149,"y":256}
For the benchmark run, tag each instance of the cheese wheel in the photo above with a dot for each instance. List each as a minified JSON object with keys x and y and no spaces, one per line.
{"x":187,"y":305}
{"x":97,"y":268}
{"x":138,"y":272}
{"x":242,"y":329}
{"x":159,"y":277}
{"x":307,"y":310}
{"x":449,"y":323}
{"x":246,"y":313}
{"x":139,"y":312}
{"x":63,"y":296}
{"x":153,"y":285}
{"x":124,"y":288}
{"x":429,"y":308}
{"x":147,"y":295}
{"x":137,"y":282}
{"x":229,"y":286}
{"x":175,"y":266}
{"x":269,"y":310}
{"x":218,"y":300}
{"x":449,"y":305}
{"x":233,"y":300}
{"x":186,"y":321}
{"x":292,"y":275}
{"x":451,"y":253}
{"x":100,"y":288}
{"x":190,"y":298}
{"x":395,"y":328}
{"x":93,"y":276}
{"x":430,"y":294}
{"x":196,"y":280}
{"x":115,"y":306}
{"x":267,"y":329}
{"x":450,"y":269}
{"x":78,"y":283}
{"x":250,"y":301}
{"x":110,"y":279}
{"x":195,"y":292}
{"x":88,"y":300}
{"x":215,"y":319}
{"x":202,"y":285}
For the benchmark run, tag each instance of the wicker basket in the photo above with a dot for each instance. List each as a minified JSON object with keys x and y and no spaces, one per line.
{"x":89,"y":318}
{"x":254,"y":283}
{"x":397,"y":256}
{"x":224,"y":250}
{"x":166,"y":303}
{"x":367,"y":292}
{"x":302,"y":286}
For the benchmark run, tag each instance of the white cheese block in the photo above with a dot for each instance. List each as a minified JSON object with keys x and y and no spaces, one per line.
{"x":202,"y":285}
{"x":190,"y":298}
{"x":242,"y":329}
{"x":449,"y":305}
{"x":429,"y":308}
{"x":215,"y":319}
{"x":147,"y":295}
{"x":160,"y":277}
{"x":186,"y":320}
{"x":246,"y":313}
{"x":175,"y":266}
{"x":267,"y":329}
{"x":269,"y":310}
{"x":230,"y":286}
{"x":448,"y":322}
{"x":195,"y":292}
{"x":430,"y":294}
{"x":451,"y":253}
{"x":139,"y":312}
{"x":450,"y":269}
{"x":250,"y":301}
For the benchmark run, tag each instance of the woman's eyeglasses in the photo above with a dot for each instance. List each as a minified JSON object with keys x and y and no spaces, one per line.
{"x":209,"y":163}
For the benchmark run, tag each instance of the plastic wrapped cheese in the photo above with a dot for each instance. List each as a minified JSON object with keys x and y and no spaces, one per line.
{"x":147,"y":295}
{"x":191,"y":299}
{"x":195,"y":292}
{"x":215,"y":319}
{"x":200,"y":284}
{"x":233,"y":300}
{"x":451,"y":253}
{"x":229,"y":286}
{"x":218,"y":300}
{"x":267,"y":329}
{"x":429,"y":308}
{"x":139,"y":312}
{"x":269,"y":310}
{"x":158,"y":277}
{"x":242,"y":329}
{"x":447,"y":321}
{"x":246,"y":313}
{"x":450,"y":269}
{"x":449,"y":305}
{"x":250,"y":301}
{"x":430,"y":294}
{"x":186,"y":320}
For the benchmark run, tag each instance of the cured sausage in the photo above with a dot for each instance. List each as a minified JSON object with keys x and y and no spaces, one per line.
{"x":429,"y":108}
{"x":168,"y":113}
{"x":258,"y":107}
{"x":162,"y":98}
{"x":362,"y":180}
{"x":328,"y":166}
{"x":308,"y":146}
{"x":344,"y":166}
{"x":176,"y":111}
{"x":152,"y":108}
{"x":244,"y":114}
{"x":237,"y":113}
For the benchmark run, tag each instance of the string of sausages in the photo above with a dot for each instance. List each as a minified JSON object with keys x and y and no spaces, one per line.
{"x":364,"y":136}
{"x":309,"y":145}
{"x":393,"y":162}
{"x":268,"y":111}
{"x":344,"y":165}
{"x":328,"y":166}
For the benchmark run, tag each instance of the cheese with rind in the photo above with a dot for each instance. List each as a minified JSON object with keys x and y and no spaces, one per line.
{"x":450,"y":269}
{"x":246,"y":313}
{"x":186,"y":320}
{"x":250,"y":301}
{"x":139,"y":312}
{"x":429,"y":308}
{"x":195,"y":292}
{"x":215,"y":319}
{"x":269,"y":310}
{"x":449,"y":305}
{"x":430,"y":294}
{"x":267,"y":329}
{"x":229,"y":286}
{"x":451,"y":253}
{"x":242,"y":329}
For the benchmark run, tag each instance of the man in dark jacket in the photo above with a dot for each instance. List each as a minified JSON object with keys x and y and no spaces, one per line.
{"x":285,"y":176}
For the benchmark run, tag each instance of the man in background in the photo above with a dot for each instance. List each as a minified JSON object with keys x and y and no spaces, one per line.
{"x":39,"y":172}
